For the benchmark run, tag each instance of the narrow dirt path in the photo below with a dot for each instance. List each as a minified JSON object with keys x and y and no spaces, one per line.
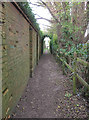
{"x":47,"y":94}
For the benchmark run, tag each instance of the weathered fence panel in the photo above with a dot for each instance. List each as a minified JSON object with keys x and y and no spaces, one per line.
{"x":74,"y":71}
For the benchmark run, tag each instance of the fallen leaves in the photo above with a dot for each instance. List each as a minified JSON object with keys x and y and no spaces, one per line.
{"x":77,"y":105}
{"x":17,"y":106}
{"x":59,"y":106}
{"x":68,"y":94}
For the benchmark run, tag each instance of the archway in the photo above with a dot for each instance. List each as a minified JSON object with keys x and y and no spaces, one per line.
{"x":42,"y":44}
{"x":46,"y":45}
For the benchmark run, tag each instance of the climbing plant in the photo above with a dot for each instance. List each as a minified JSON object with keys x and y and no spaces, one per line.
{"x":71,"y":27}
{"x":28,"y":11}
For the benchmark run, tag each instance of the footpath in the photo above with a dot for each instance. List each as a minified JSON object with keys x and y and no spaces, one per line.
{"x":49,"y":94}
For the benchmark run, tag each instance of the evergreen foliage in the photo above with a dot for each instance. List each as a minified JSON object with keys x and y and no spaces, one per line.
{"x":28,"y":11}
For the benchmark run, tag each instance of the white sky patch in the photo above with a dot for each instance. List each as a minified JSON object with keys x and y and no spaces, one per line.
{"x":47,"y":41}
{"x":87,"y":31}
{"x":42,"y":12}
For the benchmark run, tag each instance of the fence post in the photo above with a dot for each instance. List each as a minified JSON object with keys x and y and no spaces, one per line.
{"x":74,"y":75}
{"x":63,"y":64}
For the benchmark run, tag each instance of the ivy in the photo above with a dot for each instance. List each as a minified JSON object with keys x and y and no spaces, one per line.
{"x":28,"y":11}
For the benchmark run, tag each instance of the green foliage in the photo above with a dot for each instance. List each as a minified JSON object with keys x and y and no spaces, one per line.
{"x":69,"y":30}
{"x":80,"y":49}
{"x":54,"y":38}
{"x":68,"y":94}
{"x":55,"y":42}
{"x":28,"y":11}
{"x":63,"y":50}
{"x":70,"y":34}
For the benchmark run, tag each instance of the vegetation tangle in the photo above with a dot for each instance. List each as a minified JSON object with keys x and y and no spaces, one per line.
{"x":69,"y":39}
{"x":54,"y":88}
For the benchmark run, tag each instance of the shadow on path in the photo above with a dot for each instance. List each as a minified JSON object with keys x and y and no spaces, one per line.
{"x":44,"y":96}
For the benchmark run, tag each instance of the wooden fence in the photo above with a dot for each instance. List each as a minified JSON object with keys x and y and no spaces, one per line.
{"x":73,"y":69}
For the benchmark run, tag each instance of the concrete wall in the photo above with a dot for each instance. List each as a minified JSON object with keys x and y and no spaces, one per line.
{"x":19,"y":53}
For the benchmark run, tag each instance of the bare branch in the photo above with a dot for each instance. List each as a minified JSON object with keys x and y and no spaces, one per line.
{"x":51,"y":10}
{"x":51,"y":21}
{"x":47,"y":25}
{"x":38,"y":5}
{"x":40,"y":17}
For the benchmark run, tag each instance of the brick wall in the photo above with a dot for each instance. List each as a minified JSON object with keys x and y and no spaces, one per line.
{"x":16,"y":62}
{"x":20,"y":50}
{"x":34,"y":49}
{"x":1,"y":15}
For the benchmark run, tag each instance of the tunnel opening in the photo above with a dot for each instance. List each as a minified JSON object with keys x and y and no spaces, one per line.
{"x":46,"y":44}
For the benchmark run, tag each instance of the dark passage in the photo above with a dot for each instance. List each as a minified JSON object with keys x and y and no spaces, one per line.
{"x":49,"y":94}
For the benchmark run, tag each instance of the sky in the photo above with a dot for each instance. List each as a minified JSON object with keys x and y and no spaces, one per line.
{"x":47,"y":40}
{"x":43,"y":12}
{"x":87,"y":31}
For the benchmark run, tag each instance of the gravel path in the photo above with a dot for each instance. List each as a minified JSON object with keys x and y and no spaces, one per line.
{"x":49,"y":94}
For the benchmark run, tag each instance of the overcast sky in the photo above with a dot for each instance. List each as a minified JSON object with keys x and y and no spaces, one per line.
{"x":43,"y":12}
